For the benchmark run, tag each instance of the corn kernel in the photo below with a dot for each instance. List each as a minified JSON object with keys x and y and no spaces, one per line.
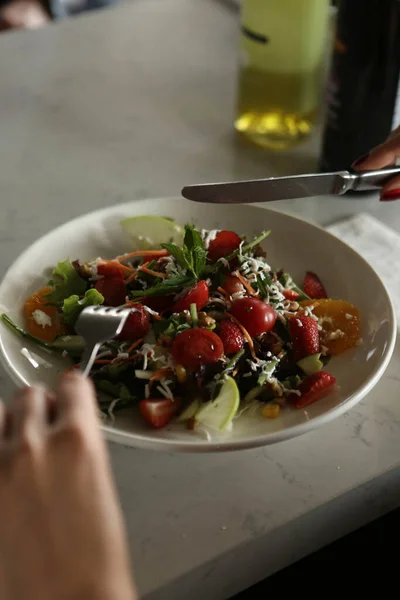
{"x":180,"y":373}
{"x":271,"y":411}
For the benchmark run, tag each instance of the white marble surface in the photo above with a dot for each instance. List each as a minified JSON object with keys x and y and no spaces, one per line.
{"x":134,"y":103}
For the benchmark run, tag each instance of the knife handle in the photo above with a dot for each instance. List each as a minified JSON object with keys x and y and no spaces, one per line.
{"x":372,"y":180}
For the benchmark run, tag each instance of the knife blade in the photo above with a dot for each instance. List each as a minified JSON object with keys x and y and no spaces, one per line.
{"x":272,"y":189}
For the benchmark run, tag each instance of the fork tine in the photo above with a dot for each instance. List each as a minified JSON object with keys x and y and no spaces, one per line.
{"x":97,"y":324}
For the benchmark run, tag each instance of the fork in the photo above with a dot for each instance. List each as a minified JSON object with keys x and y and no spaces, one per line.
{"x":97,"y":324}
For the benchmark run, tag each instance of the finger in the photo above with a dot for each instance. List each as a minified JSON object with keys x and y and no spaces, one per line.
{"x":28,"y":412}
{"x":2,"y":419}
{"x":76,"y":398}
{"x":394,"y":134}
{"x":391,"y":191}
{"x":382,"y":156}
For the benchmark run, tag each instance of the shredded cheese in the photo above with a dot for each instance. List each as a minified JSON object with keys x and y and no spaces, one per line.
{"x":151,"y":311}
{"x":172,"y":267}
{"x":334,"y":335}
{"x":110,"y":409}
{"x":208,"y":236}
{"x":147,"y":351}
{"x":41,"y":318}
{"x":164,"y":388}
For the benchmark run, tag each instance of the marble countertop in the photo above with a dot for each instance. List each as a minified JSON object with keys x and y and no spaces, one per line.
{"x":132,"y":103}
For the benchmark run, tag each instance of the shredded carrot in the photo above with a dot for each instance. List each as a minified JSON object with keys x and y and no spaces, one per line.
{"x":235,"y":372}
{"x":222,"y":291}
{"x":158,"y":253}
{"x":118,"y":360}
{"x":103,"y":361}
{"x":123,"y":267}
{"x":132,"y":302}
{"x":134,"y":345}
{"x":154,"y":273}
{"x":131,"y":277}
{"x":245,"y":283}
{"x":96,"y":362}
{"x":160,"y":373}
{"x":245,"y":333}
{"x":128,"y":270}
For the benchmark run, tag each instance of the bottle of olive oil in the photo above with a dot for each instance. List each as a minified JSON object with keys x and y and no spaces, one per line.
{"x":282,"y":50}
{"x":363,"y":92}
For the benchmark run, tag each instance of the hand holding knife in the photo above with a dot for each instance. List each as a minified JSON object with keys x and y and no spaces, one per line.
{"x":272,"y":189}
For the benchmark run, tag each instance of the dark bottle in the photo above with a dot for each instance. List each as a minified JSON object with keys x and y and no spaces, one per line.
{"x":363,"y":87}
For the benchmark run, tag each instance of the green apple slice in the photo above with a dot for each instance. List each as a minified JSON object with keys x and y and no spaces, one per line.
{"x":311,"y":364}
{"x":150,"y":231}
{"x":189,"y":411}
{"x":218,"y":413}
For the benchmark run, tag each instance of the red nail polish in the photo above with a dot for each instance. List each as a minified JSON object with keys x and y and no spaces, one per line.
{"x":360,"y":160}
{"x":390,"y":195}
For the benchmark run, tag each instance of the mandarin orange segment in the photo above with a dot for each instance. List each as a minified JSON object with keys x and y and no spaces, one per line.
{"x":38,"y":302}
{"x":340,"y":322}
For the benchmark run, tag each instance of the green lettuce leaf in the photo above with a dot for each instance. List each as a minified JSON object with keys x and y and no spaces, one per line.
{"x":267,"y":371}
{"x":195,"y":247}
{"x":287,"y":281}
{"x":170,"y":327}
{"x":192,"y":256}
{"x":245,"y":248}
{"x":73,"y":305}
{"x":172,"y":285}
{"x":66,"y":283}
{"x":73,"y":344}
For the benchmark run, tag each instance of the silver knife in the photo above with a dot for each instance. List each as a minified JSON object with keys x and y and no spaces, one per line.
{"x":285,"y":188}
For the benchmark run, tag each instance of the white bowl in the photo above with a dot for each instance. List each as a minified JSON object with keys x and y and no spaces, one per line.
{"x":294,"y":245}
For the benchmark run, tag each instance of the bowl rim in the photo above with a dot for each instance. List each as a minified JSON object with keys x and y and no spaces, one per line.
{"x":144,"y":441}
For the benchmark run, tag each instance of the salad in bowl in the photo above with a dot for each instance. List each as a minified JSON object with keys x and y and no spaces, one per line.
{"x":214,"y":329}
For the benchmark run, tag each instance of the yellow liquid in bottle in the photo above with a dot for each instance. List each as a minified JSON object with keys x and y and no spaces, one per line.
{"x":279,"y":85}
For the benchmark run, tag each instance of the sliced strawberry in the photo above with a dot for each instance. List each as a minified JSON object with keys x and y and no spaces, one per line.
{"x":231,"y":336}
{"x":111,"y":268}
{"x":313,"y":388}
{"x":304,"y":334}
{"x":158,"y":411}
{"x":313,"y":287}
{"x":197,"y":295}
{"x":290,"y":294}
{"x":113,"y":289}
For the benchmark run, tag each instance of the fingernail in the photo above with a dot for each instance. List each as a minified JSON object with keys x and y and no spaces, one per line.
{"x":360,"y":160}
{"x":390,"y":195}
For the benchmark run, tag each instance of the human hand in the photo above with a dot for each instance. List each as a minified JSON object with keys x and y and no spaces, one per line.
{"x":61,"y":529}
{"x":384,"y":155}
{"x":23,"y":14}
